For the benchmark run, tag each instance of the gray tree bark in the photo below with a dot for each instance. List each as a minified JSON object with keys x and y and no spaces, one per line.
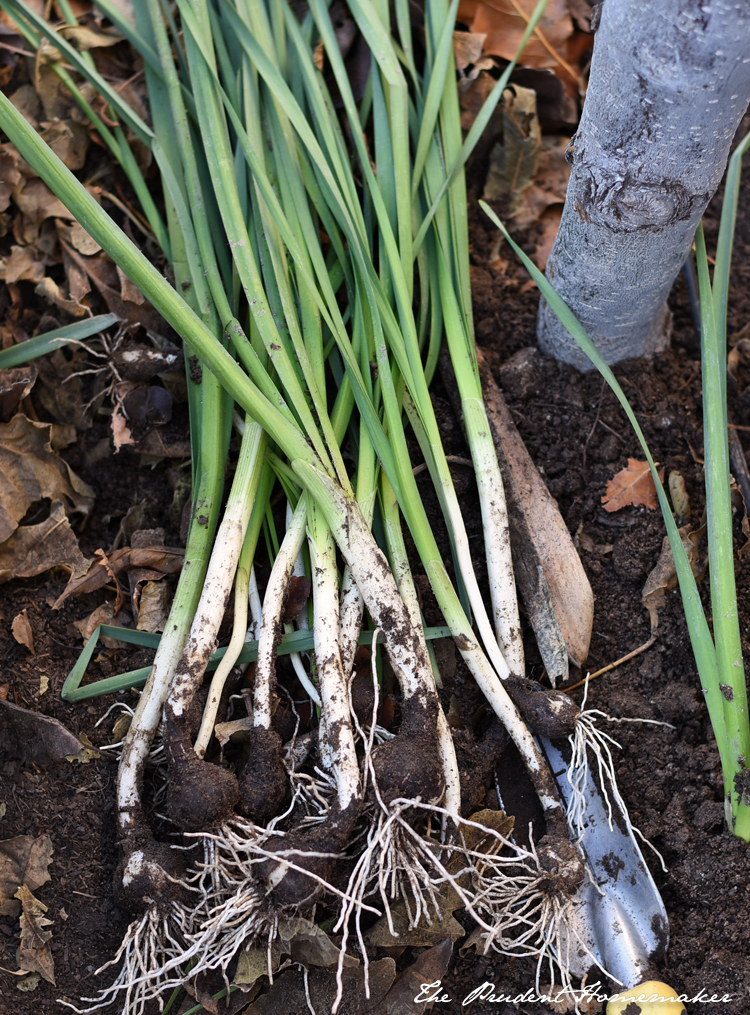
{"x":669,"y":85}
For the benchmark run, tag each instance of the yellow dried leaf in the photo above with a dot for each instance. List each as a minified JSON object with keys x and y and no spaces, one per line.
{"x":21,"y":631}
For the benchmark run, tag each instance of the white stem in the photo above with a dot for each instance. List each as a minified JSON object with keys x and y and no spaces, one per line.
{"x":443,"y":482}
{"x":351,"y":605}
{"x":224,"y":668}
{"x":273,"y":604}
{"x":496,"y":533}
{"x":337,"y":749}
{"x":147,"y":715}
{"x":256,"y":607}
{"x":302,"y":625}
{"x":351,"y":610}
{"x":221,"y":570}
{"x":404,"y":643}
{"x":405,"y":581}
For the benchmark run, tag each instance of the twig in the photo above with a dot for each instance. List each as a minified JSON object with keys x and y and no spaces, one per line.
{"x":615,"y":664}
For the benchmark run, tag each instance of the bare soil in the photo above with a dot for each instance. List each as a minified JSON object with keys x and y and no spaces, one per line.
{"x":669,"y":777}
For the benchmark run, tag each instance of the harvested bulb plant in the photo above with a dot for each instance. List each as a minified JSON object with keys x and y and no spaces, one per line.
{"x":314,"y":260}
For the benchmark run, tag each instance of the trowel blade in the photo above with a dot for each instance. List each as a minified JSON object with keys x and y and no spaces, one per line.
{"x":619,"y":918}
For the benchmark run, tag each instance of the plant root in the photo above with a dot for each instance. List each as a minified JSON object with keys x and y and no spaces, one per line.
{"x":588,"y":737}
{"x":201,"y":795}
{"x":547,"y":713}
{"x":263,"y":783}
{"x":409,"y":765}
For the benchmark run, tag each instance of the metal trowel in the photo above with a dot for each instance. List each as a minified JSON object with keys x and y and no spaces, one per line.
{"x":619,"y":917}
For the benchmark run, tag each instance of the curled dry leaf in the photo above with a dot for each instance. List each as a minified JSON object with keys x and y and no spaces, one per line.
{"x":153,"y":605}
{"x":31,"y":471}
{"x":52,"y":292}
{"x":158,"y":559}
{"x":24,"y":860}
{"x":679,"y":495}
{"x":467,"y":48}
{"x":23,"y":265}
{"x":34,"y":954}
{"x":86,"y":38}
{"x":663,"y":577}
{"x":33,"y":549}
{"x":632,"y":486}
{"x":513,"y":163}
{"x":21,"y":631}
{"x":104,"y":614}
{"x":69,"y":141}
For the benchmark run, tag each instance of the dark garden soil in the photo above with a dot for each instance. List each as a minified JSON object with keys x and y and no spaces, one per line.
{"x":670,"y":777}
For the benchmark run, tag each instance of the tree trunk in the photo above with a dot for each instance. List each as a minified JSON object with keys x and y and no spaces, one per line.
{"x":670,"y":82}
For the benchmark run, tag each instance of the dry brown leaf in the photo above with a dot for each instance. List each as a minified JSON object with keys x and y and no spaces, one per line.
{"x":51,"y":291}
{"x":33,"y":549}
{"x":34,"y":954}
{"x":311,"y":946}
{"x":69,"y":141}
{"x":467,"y":47}
{"x":23,"y":861}
{"x":10,"y":174}
{"x":86,"y":38}
{"x":549,"y":185}
{"x":472,"y":94}
{"x":153,"y":605}
{"x":102,"y":272}
{"x":81,"y":240}
{"x":21,"y":631}
{"x":37,"y":202}
{"x":513,"y":163}
{"x":424,"y":935}
{"x":26,"y":101}
{"x":128,"y":290}
{"x":31,"y":471}
{"x":504,"y":28}
{"x":61,"y":390}
{"x":15,"y":384}
{"x":156,"y":561}
{"x":679,"y":495}
{"x":419,"y":982}
{"x":663,"y":576}
{"x":632,"y":486}
{"x":104,"y":614}
{"x":23,"y":265}
{"x":34,"y":737}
